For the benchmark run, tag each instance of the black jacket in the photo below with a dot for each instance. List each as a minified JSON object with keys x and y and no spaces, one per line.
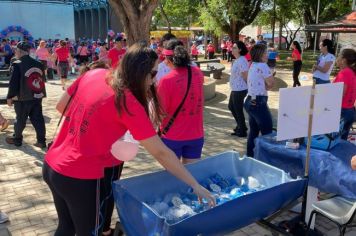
{"x":27,"y":80}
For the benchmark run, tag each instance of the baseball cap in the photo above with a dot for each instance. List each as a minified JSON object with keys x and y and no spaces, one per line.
{"x":23,"y":46}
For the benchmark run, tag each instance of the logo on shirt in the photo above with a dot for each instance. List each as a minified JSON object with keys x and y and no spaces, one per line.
{"x":34,"y":81}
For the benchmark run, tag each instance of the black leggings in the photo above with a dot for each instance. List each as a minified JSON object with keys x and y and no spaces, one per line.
{"x":111,"y":174}
{"x":297,"y":67}
{"x":77,"y":202}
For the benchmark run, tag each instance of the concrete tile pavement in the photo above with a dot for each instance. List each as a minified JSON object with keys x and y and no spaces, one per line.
{"x":28,"y":202}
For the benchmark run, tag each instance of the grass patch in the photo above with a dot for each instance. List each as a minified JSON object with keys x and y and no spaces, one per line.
{"x":309,"y":59}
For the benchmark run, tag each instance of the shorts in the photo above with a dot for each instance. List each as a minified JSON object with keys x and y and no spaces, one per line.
{"x":189,"y":149}
{"x":63,"y":67}
{"x":44,"y":63}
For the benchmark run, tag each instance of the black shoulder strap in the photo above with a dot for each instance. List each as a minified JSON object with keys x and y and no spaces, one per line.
{"x":170,"y":122}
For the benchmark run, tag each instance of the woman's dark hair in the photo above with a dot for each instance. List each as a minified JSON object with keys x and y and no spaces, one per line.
{"x":132,"y":73}
{"x":297,"y":46}
{"x":92,"y":66}
{"x":166,"y":37}
{"x":180,"y":56}
{"x":242,"y":47}
{"x":329,"y":45}
{"x":62,"y":43}
{"x":257,"y":52}
{"x":349,"y":55}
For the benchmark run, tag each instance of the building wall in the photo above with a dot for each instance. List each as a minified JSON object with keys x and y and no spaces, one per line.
{"x":42,"y":20}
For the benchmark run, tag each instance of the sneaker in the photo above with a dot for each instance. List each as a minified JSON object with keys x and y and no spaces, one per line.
{"x":40,"y":145}
{"x":3,"y":217}
{"x":10,"y":140}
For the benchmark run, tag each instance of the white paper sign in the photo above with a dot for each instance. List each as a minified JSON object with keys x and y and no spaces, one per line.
{"x":294,"y":108}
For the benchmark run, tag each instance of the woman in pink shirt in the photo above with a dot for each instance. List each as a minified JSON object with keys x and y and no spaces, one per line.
{"x":82,"y":52}
{"x":186,"y":134}
{"x":297,"y":62}
{"x":194,"y":51}
{"x":74,"y":164}
{"x":103,"y":52}
{"x":43,"y":56}
{"x":347,"y":64}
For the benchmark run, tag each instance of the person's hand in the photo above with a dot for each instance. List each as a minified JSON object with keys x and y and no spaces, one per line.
{"x":202,"y":192}
{"x":9,"y":102}
{"x":314,"y":68}
{"x":289,"y":58}
{"x":353,"y":162}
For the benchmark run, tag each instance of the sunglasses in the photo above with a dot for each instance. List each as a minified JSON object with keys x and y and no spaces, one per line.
{"x":153,"y":73}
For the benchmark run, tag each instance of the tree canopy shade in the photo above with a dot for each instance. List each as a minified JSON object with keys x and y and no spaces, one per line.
{"x":229,"y":16}
{"x":345,"y":24}
{"x":135,"y":16}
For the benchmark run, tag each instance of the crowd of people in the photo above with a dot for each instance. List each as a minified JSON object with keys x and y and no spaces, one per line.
{"x":147,"y":87}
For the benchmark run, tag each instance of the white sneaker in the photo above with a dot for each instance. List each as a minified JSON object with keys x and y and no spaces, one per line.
{"x":3,"y":217}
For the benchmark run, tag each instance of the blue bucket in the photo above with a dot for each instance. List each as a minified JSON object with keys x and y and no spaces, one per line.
{"x":138,"y":218}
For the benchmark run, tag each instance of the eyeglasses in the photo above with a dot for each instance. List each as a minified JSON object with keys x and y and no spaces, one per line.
{"x":153,"y":73}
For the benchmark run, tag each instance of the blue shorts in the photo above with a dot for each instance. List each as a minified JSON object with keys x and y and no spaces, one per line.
{"x":190,"y":149}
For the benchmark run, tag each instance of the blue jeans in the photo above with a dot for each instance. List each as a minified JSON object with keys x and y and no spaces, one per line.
{"x":320,"y":81}
{"x":260,"y":120}
{"x":349,"y":116}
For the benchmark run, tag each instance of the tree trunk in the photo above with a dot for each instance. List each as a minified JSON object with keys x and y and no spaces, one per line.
{"x":165,"y":17}
{"x":274,"y":20}
{"x":280,"y":36}
{"x":136,"y":17}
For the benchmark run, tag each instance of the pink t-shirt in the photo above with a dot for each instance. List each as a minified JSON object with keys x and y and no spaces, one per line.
{"x":91,"y":125}
{"x":82,"y":50}
{"x":42,"y":54}
{"x":115,"y":56}
{"x":194,"y":50}
{"x":347,"y":76}
{"x":172,"y":87}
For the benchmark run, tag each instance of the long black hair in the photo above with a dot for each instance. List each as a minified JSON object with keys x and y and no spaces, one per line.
{"x":180,"y":57}
{"x":349,"y":55}
{"x":297,"y":46}
{"x":329,"y":45}
{"x":132,"y":73}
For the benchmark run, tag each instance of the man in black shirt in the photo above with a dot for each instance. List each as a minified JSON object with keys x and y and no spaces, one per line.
{"x":26,"y":90}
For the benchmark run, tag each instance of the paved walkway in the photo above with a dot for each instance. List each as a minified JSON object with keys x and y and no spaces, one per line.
{"x":28,"y":202}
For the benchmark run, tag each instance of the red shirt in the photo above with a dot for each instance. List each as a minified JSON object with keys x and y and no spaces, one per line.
{"x":115,"y":55}
{"x":91,"y":125}
{"x":194,"y":50}
{"x":210,"y":48}
{"x":296,"y":55}
{"x":62,"y":53}
{"x":188,"y":124}
{"x":347,"y":76}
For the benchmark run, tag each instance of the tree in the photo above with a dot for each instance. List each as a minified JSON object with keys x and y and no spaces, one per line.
{"x":135,"y":16}
{"x":286,"y":12}
{"x":180,"y":13}
{"x":229,"y":16}
{"x":329,"y":10}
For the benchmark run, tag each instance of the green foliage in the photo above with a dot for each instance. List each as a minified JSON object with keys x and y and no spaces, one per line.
{"x":182,"y":13}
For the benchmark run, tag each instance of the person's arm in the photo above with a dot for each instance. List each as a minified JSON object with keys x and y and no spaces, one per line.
{"x":325,"y":68}
{"x":269,"y":82}
{"x":63,"y":101}
{"x":170,"y":162}
{"x":353,"y":162}
{"x":14,"y":84}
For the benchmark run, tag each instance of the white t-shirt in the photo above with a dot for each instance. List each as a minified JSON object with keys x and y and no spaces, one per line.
{"x":162,"y":70}
{"x":237,"y":83}
{"x":257,"y":74}
{"x":322,"y":60}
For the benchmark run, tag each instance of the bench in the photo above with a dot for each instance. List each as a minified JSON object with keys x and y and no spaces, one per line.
{"x":213,"y":68}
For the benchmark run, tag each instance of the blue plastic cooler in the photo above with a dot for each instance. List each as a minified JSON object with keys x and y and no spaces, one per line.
{"x":138,"y":218}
